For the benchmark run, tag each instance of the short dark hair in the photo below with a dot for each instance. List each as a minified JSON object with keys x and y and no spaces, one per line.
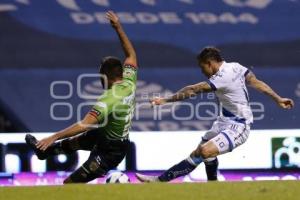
{"x":210,"y":53}
{"x":111,"y":67}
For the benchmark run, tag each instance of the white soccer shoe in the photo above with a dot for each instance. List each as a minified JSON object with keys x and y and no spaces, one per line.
{"x":147,"y":179}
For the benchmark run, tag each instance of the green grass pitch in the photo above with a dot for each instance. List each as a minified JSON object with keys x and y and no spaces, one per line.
{"x":263,"y":190}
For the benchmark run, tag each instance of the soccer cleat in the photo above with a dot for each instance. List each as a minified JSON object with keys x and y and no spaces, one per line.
{"x":32,"y":141}
{"x":146,"y":179}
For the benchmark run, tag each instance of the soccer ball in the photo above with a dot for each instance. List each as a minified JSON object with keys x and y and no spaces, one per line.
{"x":117,"y":177}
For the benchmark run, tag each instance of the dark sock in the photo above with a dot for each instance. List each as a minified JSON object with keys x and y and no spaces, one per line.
{"x":180,"y":169}
{"x":212,"y":170}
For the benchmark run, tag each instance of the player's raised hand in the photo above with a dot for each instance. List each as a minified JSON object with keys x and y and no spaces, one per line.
{"x":286,"y":103}
{"x":157,"y":101}
{"x":45,"y":143}
{"x":113,"y":19}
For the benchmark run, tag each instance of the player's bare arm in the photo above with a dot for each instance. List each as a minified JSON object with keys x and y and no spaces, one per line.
{"x":125,"y":42}
{"x":75,"y":129}
{"x":261,"y":86}
{"x":185,"y":93}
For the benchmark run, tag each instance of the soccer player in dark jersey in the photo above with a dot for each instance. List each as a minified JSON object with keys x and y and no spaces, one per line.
{"x":114,"y":109}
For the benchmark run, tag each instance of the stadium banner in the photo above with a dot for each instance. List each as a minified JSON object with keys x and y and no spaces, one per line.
{"x":47,"y":100}
{"x":156,"y":151}
{"x":75,"y":33}
{"x":237,"y":20}
{"x":150,"y":18}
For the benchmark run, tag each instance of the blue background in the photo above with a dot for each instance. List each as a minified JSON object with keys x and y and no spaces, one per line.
{"x":40,"y":43}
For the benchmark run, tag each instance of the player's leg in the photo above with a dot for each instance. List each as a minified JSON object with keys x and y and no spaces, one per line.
{"x":224,"y":142}
{"x":103,"y":158}
{"x":85,"y":141}
{"x":229,"y":138}
{"x":93,"y":168}
{"x":211,"y":168}
{"x":211,"y":164}
{"x":189,"y":164}
{"x":185,"y":166}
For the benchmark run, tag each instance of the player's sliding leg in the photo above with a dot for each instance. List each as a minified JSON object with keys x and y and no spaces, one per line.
{"x":180,"y":169}
{"x":186,"y":166}
{"x":107,"y":155}
{"x":224,"y":142}
{"x":93,"y":168}
{"x":66,"y":146}
{"x":63,"y":147}
{"x":85,"y":141}
{"x":211,"y":166}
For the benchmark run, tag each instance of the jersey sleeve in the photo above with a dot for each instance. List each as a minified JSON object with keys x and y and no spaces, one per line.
{"x":130,"y":72}
{"x":221,"y":81}
{"x":215,"y":83}
{"x":244,"y":70}
{"x":103,"y":106}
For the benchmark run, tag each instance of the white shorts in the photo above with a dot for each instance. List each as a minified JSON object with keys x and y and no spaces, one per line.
{"x":227,"y":134}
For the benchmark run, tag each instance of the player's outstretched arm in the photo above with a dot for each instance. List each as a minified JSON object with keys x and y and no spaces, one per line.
{"x":72,"y":130}
{"x":184,"y":93}
{"x":125,"y":42}
{"x":261,"y":86}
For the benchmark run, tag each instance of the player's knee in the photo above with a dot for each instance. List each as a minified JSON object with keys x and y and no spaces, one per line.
{"x":203,"y":151}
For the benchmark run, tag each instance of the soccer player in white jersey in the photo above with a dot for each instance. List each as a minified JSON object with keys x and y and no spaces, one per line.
{"x":232,"y":127}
